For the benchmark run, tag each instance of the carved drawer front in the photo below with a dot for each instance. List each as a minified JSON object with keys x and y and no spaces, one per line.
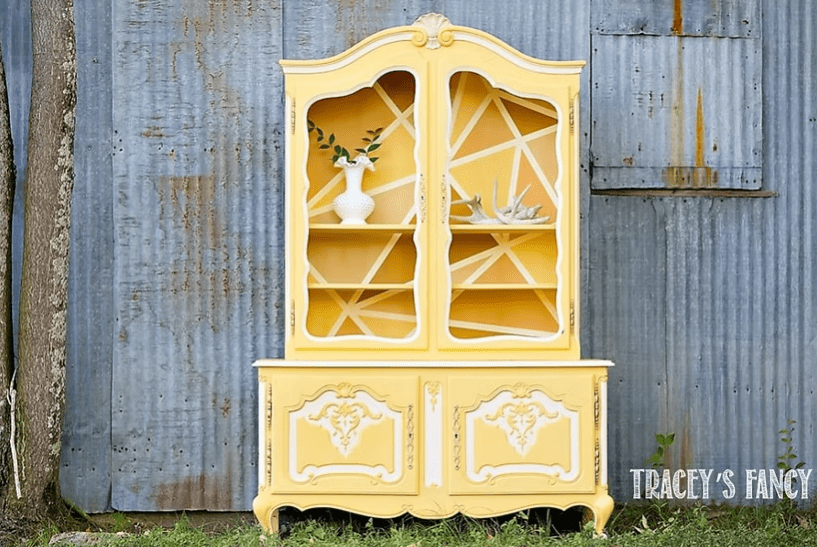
{"x":534,"y":433}
{"x":344,"y":433}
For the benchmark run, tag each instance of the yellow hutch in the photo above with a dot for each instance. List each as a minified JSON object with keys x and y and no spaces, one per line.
{"x":432,"y":355}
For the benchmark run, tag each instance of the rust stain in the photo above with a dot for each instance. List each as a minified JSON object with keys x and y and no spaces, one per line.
{"x":202,"y":492}
{"x":677,"y":123}
{"x":677,"y":18}
{"x":699,"y":130}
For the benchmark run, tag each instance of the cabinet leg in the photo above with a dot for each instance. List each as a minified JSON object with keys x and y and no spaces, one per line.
{"x":274,"y":522}
{"x":602,"y":508}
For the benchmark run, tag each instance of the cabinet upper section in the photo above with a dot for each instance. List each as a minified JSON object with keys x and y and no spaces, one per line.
{"x":432,"y":205}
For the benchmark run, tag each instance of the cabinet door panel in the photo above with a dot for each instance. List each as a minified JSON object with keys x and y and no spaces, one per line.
{"x":359,"y":285}
{"x":344,"y":433}
{"x":523,"y":433}
{"x":507,"y":204}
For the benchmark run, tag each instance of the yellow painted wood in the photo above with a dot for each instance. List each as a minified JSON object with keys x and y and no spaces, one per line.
{"x":478,"y":441}
{"x":431,"y":364}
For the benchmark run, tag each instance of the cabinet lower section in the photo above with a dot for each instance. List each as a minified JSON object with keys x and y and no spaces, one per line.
{"x":432,"y":439}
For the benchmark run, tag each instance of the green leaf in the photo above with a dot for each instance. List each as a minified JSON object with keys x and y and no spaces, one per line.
{"x":784,"y":431}
{"x":338,"y":148}
{"x":323,"y":146}
{"x":800,"y":465}
{"x":373,"y":159}
{"x":320,"y":132}
{"x":361,"y":150}
{"x":670,"y":439}
{"x":781,"y":465}
{"x":332,"y":138}
{"x":660,"y":439}
{"x":373,"y":147}
{"x":335,"y":158}
{"x":366,"y":139}
{"x":310,"y":125}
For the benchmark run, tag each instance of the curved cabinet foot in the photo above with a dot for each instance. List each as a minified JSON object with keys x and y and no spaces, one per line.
{"x":602,"y":508}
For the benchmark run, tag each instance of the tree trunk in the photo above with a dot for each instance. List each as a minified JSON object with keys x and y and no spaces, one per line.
{"x":7,"y":176}
{"x":43,"y":292}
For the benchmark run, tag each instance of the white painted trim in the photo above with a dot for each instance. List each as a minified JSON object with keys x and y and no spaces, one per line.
{"x":454,"y":364}
{"x":433,"y":436}
{"x":262,"y":434}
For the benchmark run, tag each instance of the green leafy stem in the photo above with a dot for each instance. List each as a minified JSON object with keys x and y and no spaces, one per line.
{"x":326,"y":143}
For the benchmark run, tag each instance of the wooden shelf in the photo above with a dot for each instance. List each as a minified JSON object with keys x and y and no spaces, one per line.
{"x":499,"y":228}
{"x":362,"y":228}
{"x":503,"y":286}
{"x":361,"y":286}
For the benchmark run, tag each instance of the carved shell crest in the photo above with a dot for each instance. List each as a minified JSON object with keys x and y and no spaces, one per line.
{"x":434,"y":24}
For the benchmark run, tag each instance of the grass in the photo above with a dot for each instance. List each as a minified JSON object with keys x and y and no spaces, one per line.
{"x":658,"y":524}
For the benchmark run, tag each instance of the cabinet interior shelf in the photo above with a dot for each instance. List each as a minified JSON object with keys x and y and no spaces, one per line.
{"x":361,"y":286}
{"x":409,"y":228}
{"x":503,"y":286}
{"x":499,"y":228}
{"x":362,"y":228}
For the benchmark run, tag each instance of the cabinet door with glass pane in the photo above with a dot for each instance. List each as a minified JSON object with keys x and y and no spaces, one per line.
{"x":357,"y":280}
{"x":507,"y":235}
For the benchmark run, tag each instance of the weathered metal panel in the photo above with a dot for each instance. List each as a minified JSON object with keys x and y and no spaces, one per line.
{"x":198,"y":279}
{"x":676,"y":112}
{"x":85,"y":475}
{"x":315,"y":29}
{"x":15,"y":32}
{"x":725,"y":18}
{"x":625,"y":318}
{"x":546,"y":29}
{"x":735,"y":331}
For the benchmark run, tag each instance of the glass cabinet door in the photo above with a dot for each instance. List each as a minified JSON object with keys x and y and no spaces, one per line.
{"x":506,"y":241}
{"x":360,"y":278}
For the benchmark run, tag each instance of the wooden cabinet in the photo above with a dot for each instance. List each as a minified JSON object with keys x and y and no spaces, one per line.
{"x":432,"y":355}
{"x":432,"y":440}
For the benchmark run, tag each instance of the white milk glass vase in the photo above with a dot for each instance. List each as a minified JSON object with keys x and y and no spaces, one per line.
{"x":353,"y":206}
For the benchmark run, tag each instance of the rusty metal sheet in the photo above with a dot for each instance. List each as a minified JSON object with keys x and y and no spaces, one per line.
{"x":198,"y":227}
{"x":674,"y":112}
{"x":722,"y":18}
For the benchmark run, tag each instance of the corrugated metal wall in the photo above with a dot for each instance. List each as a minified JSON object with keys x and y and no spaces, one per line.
{"x":706,"y":303}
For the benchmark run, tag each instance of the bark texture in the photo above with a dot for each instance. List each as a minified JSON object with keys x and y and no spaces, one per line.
{"x":7,"y":179}
{"x":43,"y":291}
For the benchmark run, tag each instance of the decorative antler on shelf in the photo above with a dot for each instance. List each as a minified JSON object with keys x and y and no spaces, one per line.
{"x":513,"y":213}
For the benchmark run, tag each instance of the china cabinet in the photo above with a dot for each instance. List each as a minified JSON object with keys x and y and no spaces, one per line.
{"x":432,"y":359}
